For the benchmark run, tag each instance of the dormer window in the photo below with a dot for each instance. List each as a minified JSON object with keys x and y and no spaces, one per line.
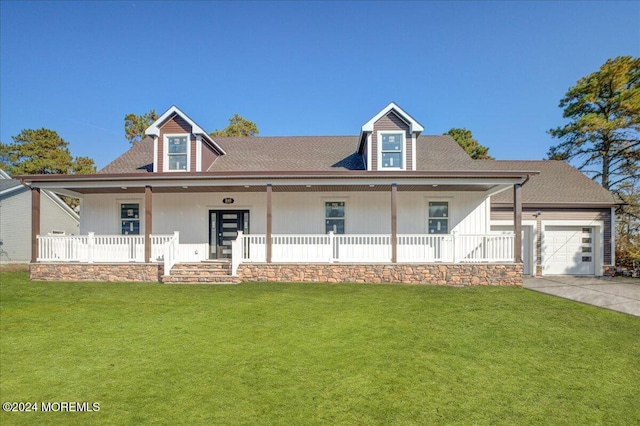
{"x":177,"y":153}
{"x":392,"y":150}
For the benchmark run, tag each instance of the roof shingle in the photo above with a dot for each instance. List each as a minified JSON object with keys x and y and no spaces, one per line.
{"x":557,"y":182}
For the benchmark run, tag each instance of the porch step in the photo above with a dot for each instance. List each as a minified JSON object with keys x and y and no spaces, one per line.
{"x":201,"y":273}
{"x":202,"y":269}
{"x":219,"y":279}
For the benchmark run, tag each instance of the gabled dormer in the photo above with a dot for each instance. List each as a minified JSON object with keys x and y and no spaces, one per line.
{"x":180,"y":145}
{"x":388,"y":140}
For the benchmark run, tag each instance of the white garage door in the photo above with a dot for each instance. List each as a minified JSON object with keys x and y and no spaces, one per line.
{"x":527,"y":258}
{"x":568,"y":250}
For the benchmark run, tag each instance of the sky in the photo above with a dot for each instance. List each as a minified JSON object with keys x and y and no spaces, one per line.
{"x":498,"y":69}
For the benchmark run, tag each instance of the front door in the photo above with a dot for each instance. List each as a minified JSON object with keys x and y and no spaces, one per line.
{"x":223,"y":230}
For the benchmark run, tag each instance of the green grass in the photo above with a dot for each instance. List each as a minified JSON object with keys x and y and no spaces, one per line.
{"x":314,"y":354}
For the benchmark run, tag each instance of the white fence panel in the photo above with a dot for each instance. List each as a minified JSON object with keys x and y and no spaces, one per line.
{"x":157,"y":247}
{"x":485,"y":248}
{"x":63,"y":248}
{"x":254,"y":248}
{"x":362,"y":248}
{"x":301,"y":248}
{"x":425,"y":248}
{"x":118,"y":248}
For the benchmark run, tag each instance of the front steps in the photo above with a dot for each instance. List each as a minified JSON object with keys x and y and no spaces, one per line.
{"x":201,"y":273}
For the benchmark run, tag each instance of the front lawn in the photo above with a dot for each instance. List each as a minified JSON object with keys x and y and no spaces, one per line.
{"x":305,"y":354}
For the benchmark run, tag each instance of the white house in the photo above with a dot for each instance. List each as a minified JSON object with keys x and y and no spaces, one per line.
{"x":389,"y":204}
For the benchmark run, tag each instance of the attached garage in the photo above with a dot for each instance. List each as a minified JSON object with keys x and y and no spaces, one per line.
{"x":568,"y":250}
{"x":571,"y":218}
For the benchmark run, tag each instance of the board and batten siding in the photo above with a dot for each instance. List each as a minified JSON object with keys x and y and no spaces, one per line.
{"x":391,"y":122}
{"x":292,"y":213}
{"x":562,"y":214}
{"x":15,"y":223}
{"x":176,"y":125}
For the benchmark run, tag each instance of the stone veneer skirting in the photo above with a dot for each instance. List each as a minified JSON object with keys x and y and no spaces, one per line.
{"x":122,"y":272}
{"x":440,"y":274}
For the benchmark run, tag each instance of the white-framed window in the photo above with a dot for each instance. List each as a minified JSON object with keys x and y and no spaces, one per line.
{"x":438,"y":220}
{"x":334,"y":216}
{"x":177,"y":153}
{"x":391,"y":150}
{"x":130,"y":218}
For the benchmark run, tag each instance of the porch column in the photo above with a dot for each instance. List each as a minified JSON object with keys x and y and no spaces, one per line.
{"x":268,"y":242}
{"x":148,"y":226}
{"x":394,"y":223}
{"x":35,"y":223}
{"x":517,"y":222}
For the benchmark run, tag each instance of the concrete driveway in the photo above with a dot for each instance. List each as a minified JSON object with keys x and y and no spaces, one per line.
{"x":618,"y":294}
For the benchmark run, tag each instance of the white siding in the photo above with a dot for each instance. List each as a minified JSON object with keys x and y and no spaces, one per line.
{"x":304,"y":213}
{"x":15,"y":226}
{"x":293,"y":213}
{"x":189,"y":213}
{"x":468,"y":213}
{"x":15,"y":223}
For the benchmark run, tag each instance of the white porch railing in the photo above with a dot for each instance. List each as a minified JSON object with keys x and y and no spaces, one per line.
{"x":99,"y":248}
{"x":426,"y":248}
{"x":319,"y":248}
{"x":449,"y":248}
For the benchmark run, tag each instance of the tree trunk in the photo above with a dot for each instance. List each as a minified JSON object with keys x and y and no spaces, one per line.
{"x":605,"y":171}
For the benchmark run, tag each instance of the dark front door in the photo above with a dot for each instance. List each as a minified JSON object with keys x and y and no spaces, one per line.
{"x":223,"y":230}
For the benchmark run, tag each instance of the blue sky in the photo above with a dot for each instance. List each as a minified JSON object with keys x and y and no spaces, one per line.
{"x":303,"y":68}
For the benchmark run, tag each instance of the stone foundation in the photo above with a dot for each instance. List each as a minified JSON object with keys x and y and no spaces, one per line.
{"x":122,"y":272}
{"x":507,"y":274}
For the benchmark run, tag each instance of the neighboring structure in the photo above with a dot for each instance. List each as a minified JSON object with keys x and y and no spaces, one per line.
{"x":389,"y":205}
{"x":15,"y":219}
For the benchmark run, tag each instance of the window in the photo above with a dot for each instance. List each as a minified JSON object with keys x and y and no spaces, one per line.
{"x":391,"y":150}
{"x":177,"y":153}
{"x":438,"y":217}
{"x":334,"y":217}
{"x":130,"y":219}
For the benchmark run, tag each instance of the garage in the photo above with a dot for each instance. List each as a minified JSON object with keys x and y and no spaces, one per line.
{"x":568,"y":250}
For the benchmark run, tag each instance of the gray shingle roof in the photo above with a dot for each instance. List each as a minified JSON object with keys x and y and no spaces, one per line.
{"x":298,"y":153}
{"x":292,"y":153}
{"x":558,"y":182}
{"x":137,"y":159}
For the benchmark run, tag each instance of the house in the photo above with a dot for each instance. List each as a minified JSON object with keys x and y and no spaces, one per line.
{"x":387,"y":205}
{"x":15,"y":219}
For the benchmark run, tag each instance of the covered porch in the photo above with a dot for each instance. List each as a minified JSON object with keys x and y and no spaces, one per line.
{"x":270,"y":201}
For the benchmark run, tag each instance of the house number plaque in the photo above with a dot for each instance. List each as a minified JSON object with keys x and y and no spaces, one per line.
{"x":228,"y":200}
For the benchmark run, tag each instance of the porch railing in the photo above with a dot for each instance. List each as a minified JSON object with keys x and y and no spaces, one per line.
{"x":99,"y":248}
{"x":449,"y":248}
